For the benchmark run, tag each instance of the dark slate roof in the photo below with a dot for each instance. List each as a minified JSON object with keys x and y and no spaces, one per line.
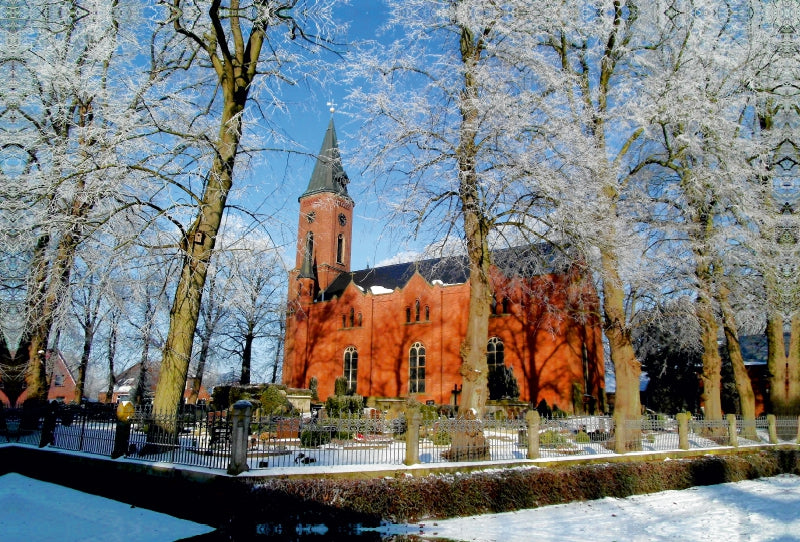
{"x":328,"y":174}
{"x":527,"y":261}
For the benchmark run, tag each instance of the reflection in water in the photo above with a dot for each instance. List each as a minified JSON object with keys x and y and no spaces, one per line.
{"x":311,"y":532}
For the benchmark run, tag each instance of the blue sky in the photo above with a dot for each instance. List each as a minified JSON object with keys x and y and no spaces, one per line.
{"x":277,"y":179}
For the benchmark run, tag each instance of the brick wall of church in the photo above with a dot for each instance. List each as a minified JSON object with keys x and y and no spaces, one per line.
{"x":542,"y":343}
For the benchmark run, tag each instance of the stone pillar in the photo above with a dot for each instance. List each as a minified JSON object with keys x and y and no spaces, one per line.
{"x":733,"y":434}
{"x":240,"y":431}
{"x":122,"y":436}
{"x":413,"y":421}
{"x":683,"y":430}
{"x":773,"y":429}
{"x":532,"y":417}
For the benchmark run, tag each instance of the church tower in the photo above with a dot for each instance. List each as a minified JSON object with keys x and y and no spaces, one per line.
{"x":324,"y":237}
{"x":324,"y":232}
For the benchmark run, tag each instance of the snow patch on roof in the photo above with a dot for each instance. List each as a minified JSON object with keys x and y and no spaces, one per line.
{"x":380,"y":290}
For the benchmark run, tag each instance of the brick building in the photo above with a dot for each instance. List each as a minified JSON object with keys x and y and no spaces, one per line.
{"x":396,"y":331}
{"x":61,"y":383}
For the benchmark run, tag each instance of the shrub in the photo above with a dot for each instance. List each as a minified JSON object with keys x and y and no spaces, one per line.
{"x":544,"y":410}
{"x":221,"y":397}
{"x":502,"y":383}
{"x":582,"y":437}
{"x":340,"y":386}
{"x":274,"y":402}
{"x":312,"y":438}
{"x":429,"y":412}
{"x":441,"y":438}
{"x":552,"y":439}
{"x":344,"y":406}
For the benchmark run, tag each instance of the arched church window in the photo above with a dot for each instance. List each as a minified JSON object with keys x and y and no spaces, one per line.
{"x":340,"y":249}
{"x":344,"y":320}
{"x":309,"y":245}
{"x":427,"y":313}
{"x":408,"y":315}
{"x":360,"y":320}
{"x":351,"y":369}
{"x":416,"y":310}
{"x":495,"y":353}
{"x":352,"y":317}
{"x":416,"y":368}
{"x":506,"y":305}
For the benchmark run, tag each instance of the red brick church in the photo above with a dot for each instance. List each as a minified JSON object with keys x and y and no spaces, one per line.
{"x":396,"y":331}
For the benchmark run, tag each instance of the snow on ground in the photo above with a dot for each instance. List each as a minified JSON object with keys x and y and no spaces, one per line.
{"x":767,"y":509}
{"x":35,"y":510}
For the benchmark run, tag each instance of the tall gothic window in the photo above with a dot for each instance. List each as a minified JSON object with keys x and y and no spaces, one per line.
{"x":351,"y":368}
{"x":416,"y":368}
{"x":352,"y":317}
{"x":309,"y":255}
{"x":494,"y":353}
{"x":427,"y":313}
{"x":416,"y":310}
{"x":340,"y":249}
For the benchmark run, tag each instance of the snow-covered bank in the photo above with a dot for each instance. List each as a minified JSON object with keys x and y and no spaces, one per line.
{"x":767,"y":509}
{"x":40,"y":511}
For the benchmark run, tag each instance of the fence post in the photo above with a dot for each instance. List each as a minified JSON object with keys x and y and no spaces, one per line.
{"x":620,"y":432}
{"x":122,"y":435}
{"x":683,"y":430}
{"x":240,"y":429}
{"x":773,"y":429}
{"x":532,"y":417}
{"x":798,"y":430}
{"x":412,"y":436}
{"x":733,"y":435}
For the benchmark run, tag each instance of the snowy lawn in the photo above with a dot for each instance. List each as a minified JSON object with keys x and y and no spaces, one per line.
{"x":40,"y":511}
{"x":754,"y":510}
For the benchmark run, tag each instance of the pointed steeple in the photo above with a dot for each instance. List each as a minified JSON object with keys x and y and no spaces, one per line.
{"x":329,"y":174}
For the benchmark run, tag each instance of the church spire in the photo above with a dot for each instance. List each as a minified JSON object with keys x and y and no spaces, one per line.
{"x":329,"y":174}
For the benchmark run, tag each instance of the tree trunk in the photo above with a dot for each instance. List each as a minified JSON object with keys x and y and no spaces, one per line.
{"x":198,"y":245}
{"x":712,"y":361}
{"x":784,"y":370}
{"x":236,"y":68}
{"x":112,"y":353}
{"x":197,"y":380}
{"x":474,"y":369}
{"x":747,"y":399}
{"x":627,"y":369}
{"x":80,"y":382}
{"x":468,"y":442}
{"x":247,"y":355}
{"x":278,"y":349}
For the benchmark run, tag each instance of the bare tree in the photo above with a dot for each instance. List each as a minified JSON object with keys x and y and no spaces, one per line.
{"x":257,"y":302}
{"x":68,"y":110}
{"x":241,"y":44}
{"x":213,"y":314}
{"x":443,"y":129}
{"x":778,"y":250}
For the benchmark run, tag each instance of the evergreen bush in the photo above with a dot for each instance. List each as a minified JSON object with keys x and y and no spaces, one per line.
{"x":313,"y":438}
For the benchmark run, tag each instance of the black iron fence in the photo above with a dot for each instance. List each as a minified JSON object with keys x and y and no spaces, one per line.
{"x":198,"y":437}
